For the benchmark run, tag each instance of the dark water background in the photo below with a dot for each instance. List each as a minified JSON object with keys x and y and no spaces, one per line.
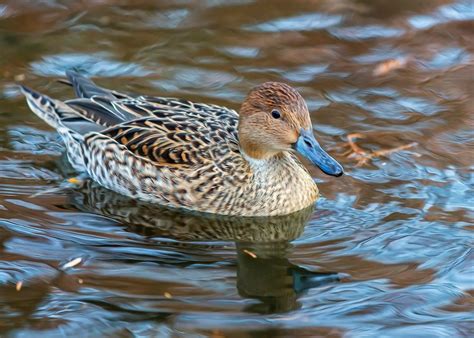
{"x":388,"y":250}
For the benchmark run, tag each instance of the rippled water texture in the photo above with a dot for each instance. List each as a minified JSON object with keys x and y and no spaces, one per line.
{"x":387,"y":251}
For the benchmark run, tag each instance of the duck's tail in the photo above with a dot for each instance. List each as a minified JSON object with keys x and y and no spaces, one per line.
{"x":53,"y":112}
{"x":48,"y":109}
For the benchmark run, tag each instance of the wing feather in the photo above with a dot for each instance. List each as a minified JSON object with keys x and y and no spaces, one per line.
{"x":167,"y":131}
{"x":164,"y":141}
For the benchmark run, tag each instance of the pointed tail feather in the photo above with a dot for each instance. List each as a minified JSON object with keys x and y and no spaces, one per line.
{"x":52,"y":112}
{"x":43,"y":106}
{"x":85,"y":88}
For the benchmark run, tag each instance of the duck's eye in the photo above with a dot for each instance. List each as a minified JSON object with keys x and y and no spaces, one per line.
{"x":276,"y":114}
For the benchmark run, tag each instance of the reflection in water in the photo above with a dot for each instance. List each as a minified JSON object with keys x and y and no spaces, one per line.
{"x":270,"y":277}
{"x":264,"y":271}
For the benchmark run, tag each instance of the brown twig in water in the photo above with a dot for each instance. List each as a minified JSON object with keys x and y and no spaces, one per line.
{"x":362,"y":156}
{"x":355,"y":148}
{"x":385,"y":152}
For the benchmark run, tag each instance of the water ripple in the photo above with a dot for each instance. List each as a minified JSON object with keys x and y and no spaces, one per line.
{"x":97,"y":64}
{"x":458,"y":11}
{"x":387,"y":249}
{"x":366,"y":32}
{"x":306,"y":22}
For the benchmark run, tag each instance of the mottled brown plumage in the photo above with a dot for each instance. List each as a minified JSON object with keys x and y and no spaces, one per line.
{"x":188,"y":155}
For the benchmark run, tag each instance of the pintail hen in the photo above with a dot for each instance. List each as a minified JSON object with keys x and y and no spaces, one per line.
{"x":195,"y":156}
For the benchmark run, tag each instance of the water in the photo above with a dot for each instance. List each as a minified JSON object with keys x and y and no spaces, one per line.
{"x":386,"y":252}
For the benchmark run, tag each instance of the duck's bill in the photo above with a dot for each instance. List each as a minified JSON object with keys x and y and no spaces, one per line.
{"x":310,"y":148}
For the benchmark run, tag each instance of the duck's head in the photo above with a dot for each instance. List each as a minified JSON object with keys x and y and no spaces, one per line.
{"x":274,"y":118}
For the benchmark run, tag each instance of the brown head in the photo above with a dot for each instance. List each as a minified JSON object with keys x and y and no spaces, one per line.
{"x":274,"y":118}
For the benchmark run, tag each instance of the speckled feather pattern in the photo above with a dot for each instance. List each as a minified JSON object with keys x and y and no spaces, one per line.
{"x":172,"y":152}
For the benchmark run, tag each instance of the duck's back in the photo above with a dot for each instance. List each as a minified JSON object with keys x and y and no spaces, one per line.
{"x":176,"y":133}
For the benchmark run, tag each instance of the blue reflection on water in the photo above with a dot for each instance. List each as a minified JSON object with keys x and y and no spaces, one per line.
{"x":305,"y":22}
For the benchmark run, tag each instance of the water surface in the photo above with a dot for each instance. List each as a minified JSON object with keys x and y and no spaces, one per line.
{"x":387,"y":250}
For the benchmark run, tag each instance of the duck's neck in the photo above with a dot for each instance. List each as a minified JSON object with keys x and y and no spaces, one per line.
{"x":274,"y":167}
{"x":258,"y":160}
{"x":255,"y":151}
{"x":281,"y":183}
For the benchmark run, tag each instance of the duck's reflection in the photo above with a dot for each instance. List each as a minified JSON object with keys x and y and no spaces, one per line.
{"x":264,"y":271}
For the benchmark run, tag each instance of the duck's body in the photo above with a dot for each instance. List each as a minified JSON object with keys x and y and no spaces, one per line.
{"x":173,"y":152}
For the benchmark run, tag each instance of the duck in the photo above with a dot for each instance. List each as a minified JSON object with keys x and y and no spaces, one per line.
{"x":192,"y":156}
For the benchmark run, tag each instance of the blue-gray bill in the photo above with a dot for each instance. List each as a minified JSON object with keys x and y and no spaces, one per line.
{"x":310,"y":148}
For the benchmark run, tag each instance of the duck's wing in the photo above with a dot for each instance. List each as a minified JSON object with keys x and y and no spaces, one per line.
{"x":167,"y":131}
{"x":178,"y":137}
{"x":107,"y":108}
